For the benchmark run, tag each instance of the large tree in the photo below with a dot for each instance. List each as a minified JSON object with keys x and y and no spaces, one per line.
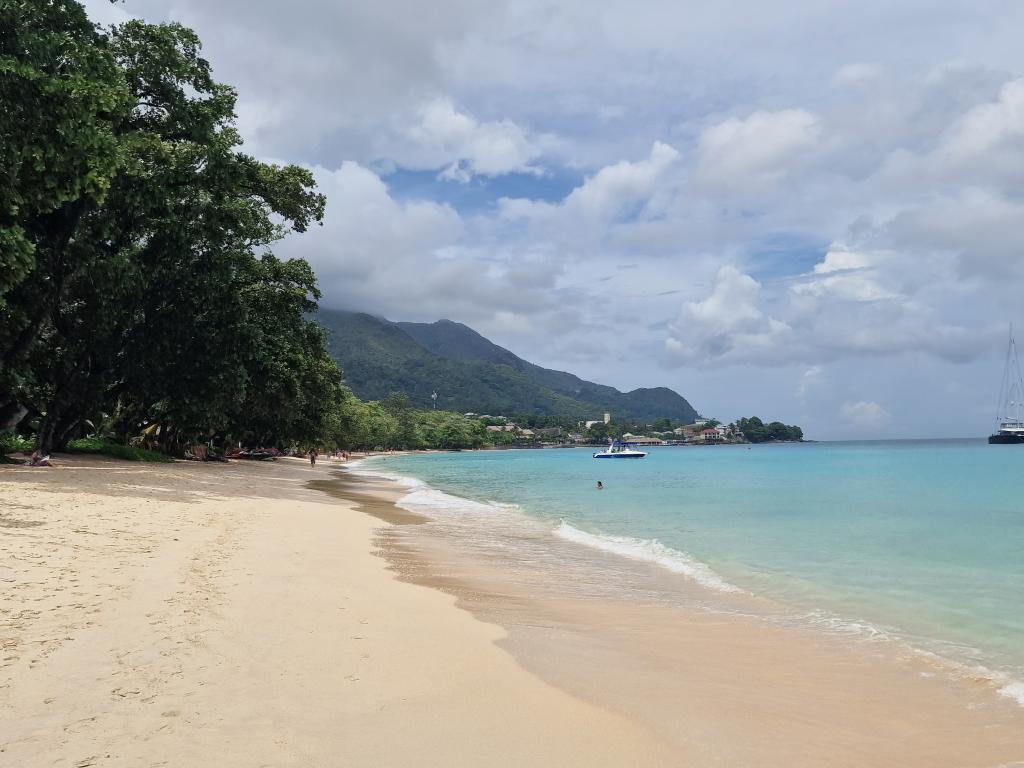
{"x":61,"y":93}
{"x":159,"y":301}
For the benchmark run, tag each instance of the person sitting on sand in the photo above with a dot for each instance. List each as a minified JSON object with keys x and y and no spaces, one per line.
{"x":37,"y":459}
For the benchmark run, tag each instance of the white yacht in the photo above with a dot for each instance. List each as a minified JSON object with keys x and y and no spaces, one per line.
{"x":619,"y":451}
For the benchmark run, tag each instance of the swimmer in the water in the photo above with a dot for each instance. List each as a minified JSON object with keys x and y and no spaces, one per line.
{"x":600,"y":485}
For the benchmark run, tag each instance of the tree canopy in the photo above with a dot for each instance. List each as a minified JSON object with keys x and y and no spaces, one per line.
{"x":756,"y":431}
{"x":138,"y":287}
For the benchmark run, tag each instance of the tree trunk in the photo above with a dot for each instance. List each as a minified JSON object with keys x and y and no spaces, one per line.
{"x":11,"y":412}
{"x":46,"y":440}
{"x":56,"y":427}
{"x":54,"y":232}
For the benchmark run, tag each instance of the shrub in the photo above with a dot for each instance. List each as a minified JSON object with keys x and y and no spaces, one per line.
{"x":106,"y":448}
{"x":12,"y":443}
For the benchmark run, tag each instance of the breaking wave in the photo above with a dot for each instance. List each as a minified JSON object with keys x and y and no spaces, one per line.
{"x":650,"y":551}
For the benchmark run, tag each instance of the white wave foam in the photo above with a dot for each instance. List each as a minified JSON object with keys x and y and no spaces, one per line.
{"x":1013,"y":691}
{"x":835,"y":624}
{"x":650,"y":551}
{"x":423,"y":498}
{"x":359,"y":467}
{"x":1001,"y":681}
{"x":426,"y":500}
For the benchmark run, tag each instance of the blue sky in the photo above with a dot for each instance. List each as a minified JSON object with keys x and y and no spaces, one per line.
{"x":809,"y":211}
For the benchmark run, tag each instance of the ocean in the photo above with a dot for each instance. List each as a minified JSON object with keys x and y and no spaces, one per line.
{"x":913,"y":542}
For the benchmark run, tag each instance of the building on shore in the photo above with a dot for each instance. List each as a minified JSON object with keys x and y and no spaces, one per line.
{"x":713,"y":435}
{"x":641,"y":440}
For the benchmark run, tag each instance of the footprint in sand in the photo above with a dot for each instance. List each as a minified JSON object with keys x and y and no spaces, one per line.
{"x":77,"y":725}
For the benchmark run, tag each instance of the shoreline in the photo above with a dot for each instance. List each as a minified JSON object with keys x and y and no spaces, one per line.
{"x":953,"y":657}
{"x":850,"y":691}
{"x":271,"y":613}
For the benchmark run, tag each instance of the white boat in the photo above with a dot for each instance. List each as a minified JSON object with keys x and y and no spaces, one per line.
{"x":619,"y":451}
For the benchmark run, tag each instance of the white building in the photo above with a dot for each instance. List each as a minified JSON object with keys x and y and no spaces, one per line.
{"x":641,"y":440}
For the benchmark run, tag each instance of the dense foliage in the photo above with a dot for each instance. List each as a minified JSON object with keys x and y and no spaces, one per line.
{"x":469,"y":373}
{"x":756,"y":431}
{"x":117,"y":450}
{"x":394,"y":424}
{"x":137,"y":288}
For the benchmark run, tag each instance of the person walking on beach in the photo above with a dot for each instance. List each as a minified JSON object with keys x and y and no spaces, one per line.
{"x":312,"y":457}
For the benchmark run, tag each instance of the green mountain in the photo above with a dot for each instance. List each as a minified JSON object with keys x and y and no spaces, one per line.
{"x":470,"y":373}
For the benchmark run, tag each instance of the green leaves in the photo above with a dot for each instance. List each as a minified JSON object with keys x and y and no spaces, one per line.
{"x":59,"y":87}
{"x":394,"y":424}
{"x":756,"y":431}
{"x":134,"y":266}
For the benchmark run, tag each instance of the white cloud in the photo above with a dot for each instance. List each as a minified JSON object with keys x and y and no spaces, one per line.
{"x":900,"y":163}
{"x":865,"y":414}
{"x":847,"y":275}
{"x":368,"y":237}
{"x":858,"y":73}
{"x":409,"y":260}
{"x":811,"y":379}
{"x":366,"y":228}
{"x":613,"y":191}
{"x":982,"y":147}
{"x":727,"y":326}
{"x":992,"y":132}
{"x":601,"y":214}
{"x":618,"y":187}
{"x":756,"y":151}
{"x":980,"y":229}
{"x":444,"y":136}
{"x":840,"y":309}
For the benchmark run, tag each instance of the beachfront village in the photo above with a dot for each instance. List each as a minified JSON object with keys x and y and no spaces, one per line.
{"x":532,"y":432}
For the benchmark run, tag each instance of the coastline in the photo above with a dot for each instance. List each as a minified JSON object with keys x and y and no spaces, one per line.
{"x":270,"y":613}
{"x":729,"y":688}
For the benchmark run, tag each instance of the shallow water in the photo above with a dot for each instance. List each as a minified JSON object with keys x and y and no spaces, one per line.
{"x":920,"y":540}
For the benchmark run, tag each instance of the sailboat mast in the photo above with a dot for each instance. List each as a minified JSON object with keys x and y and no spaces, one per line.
{"x":1014,"y":396}
{"x":1003,"y":381}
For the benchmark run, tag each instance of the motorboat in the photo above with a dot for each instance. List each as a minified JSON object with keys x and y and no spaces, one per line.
{"x":619,"y":451}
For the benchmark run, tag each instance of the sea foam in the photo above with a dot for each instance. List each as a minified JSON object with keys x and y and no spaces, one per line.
{"x":1013,"y":691}
{"x":650,"y":551}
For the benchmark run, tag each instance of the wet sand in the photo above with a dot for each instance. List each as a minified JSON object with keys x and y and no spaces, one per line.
{"x":723,"y":689}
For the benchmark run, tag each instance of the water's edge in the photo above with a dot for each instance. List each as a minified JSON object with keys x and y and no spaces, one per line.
{"x":706,"y":589}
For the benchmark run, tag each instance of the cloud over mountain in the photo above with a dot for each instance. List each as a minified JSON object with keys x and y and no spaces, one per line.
{"x":784,"y":200}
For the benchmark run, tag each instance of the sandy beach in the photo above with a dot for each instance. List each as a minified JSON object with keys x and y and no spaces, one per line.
{"x":266,"y":614}
{"x":191,"y":615}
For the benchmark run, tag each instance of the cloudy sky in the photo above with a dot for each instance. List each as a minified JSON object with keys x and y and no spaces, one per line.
{"x":811,"y":211}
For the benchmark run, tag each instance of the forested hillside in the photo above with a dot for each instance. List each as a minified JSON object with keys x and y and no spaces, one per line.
{"x":470,"y":373}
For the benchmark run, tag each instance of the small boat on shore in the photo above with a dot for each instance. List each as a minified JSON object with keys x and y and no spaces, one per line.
{"x":619,"y":451}
{"x":1009,"y":425}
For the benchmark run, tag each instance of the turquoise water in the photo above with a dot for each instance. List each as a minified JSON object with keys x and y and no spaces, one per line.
{"x":921,"y":537}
